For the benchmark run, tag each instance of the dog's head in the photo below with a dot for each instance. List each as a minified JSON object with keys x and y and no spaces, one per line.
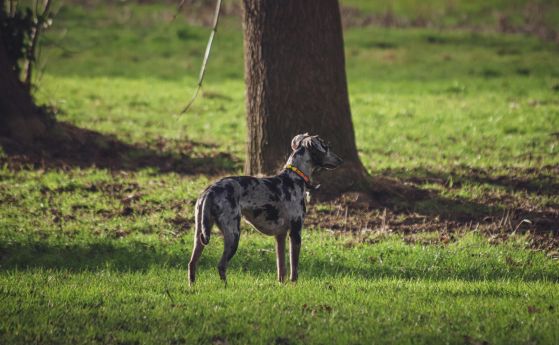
{"x":318,"y":149}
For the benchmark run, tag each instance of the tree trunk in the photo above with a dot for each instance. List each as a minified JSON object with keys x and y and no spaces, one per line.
{"x":19,"y":117}
{"x":296,"y":83}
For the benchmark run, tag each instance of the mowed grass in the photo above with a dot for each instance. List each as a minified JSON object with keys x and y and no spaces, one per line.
{"x":98,"y":254}
{"x":391,"y":292}
{"x":481,"y":15}
{"x":486,"y":100}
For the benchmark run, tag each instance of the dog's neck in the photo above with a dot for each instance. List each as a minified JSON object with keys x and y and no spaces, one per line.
{"x":301,"y":159}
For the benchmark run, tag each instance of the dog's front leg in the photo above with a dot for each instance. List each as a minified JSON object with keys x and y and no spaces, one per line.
{"x":295,"y":248}
{"x":280,"y":257}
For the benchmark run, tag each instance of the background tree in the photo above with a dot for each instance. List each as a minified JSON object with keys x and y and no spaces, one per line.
{"x":20,"y":118}
{"x":296,"y":83}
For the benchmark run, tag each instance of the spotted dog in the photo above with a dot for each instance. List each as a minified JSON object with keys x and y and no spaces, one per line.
{"x":274,"y":205}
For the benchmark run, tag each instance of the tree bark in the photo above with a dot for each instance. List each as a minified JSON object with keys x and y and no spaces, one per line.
{"x":19,"y":117}
{"x":296,"y":83}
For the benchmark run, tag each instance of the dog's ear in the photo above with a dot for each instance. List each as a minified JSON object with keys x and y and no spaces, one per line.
{"x":297,"y":140}
{"x":317,"y":143}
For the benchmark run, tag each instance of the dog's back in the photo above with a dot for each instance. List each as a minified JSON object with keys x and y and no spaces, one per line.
{"x":267,"y":203}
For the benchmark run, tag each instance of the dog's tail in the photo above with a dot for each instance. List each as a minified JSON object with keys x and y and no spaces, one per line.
{"x":204,"y":218}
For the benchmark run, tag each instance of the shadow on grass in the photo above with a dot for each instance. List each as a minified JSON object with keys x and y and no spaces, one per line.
{"x":140,"y":257}
{"x":543,"y":181}
{"x":404,"y":191}
{"x":69,"y":146}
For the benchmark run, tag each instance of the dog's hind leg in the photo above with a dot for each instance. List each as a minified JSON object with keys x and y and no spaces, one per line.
{"x":204,"y":223}
{"x":231,"y":229}
{"x":196,"y":253}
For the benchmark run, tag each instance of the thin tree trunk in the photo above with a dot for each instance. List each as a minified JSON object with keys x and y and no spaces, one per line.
{"x":296,"y":83}
{"x":19,"y":118}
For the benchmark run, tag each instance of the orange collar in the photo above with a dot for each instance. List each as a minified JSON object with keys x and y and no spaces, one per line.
{"x":298,"y":172}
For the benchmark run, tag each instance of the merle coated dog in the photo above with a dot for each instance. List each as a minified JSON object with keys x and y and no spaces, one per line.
{"x":274,"y":205}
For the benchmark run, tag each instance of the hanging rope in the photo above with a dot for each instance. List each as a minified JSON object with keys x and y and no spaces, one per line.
{"x":206,"y":56}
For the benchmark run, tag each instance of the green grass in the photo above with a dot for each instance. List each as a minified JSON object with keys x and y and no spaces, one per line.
{"x":97,"y":254}
{"x":479,"y":14}
{"x":98,"y":290}
{"x":408,"y":82}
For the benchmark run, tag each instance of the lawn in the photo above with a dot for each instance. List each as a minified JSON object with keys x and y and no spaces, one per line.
{"x":351,"y":291}
{"x":94,"y":239}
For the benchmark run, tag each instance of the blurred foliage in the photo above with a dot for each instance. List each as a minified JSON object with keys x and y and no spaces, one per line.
{"x":15,"y":30}
{"x":21,"y":25}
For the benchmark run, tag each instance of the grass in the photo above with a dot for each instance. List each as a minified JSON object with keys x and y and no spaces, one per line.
{"x":481,"y":15}
{"x":98,"y":290}
{"x":96,"y":252}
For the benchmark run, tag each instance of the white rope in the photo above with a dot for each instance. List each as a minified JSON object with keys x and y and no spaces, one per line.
{"x":206,"y":56}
